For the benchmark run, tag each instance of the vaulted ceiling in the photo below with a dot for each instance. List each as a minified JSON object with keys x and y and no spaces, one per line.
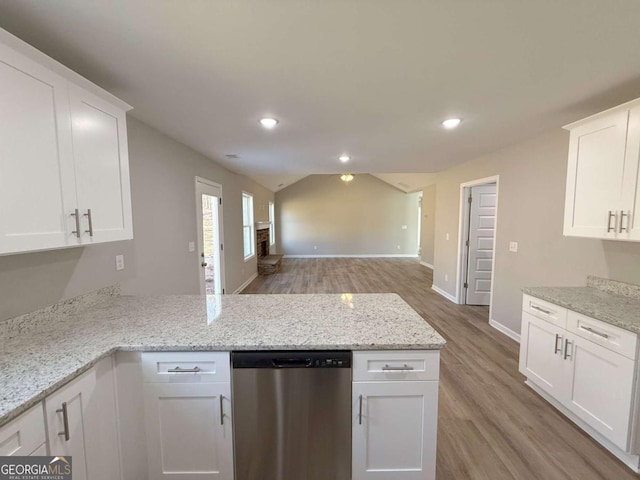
{"x":372,"y":78}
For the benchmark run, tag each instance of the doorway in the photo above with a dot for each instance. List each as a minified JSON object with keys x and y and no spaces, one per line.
{"x":210,"y":236}
{"x":476,"y":253}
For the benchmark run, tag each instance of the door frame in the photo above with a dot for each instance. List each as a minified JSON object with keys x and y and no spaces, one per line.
{"x":463,"y":229}
{"x":199,"y":229}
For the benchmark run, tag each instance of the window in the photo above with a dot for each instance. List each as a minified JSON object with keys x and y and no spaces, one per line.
{"x":272,"y":223}
{"x":247,"y":225}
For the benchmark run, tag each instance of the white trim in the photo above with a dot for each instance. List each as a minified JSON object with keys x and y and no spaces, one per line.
{"x":425,"y":264}
{"x":506,"y":330}
{"x":245,"y":284}
{"x":631,"y":461}
{"x":370,"y":255}
{"x":446,"y":295}
{"x":463,"y":205}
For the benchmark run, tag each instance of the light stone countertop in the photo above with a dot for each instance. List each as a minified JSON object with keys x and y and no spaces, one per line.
{"x":46,"y":349}
{"x":620,"y":310}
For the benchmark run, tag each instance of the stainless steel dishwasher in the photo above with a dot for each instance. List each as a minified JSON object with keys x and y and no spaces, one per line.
{"x":292,"y":415}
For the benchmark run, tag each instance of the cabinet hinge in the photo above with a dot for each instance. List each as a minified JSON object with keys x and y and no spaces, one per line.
{"x":220,"y":200}
{"x":223,"y":291}
{"x":466,"y":285}
{"x":221,"y":247}
{"x":466,"y":243}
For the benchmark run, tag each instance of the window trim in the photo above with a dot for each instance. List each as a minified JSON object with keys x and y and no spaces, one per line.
{"x":251,"y":225}
{"x":272,"y":222}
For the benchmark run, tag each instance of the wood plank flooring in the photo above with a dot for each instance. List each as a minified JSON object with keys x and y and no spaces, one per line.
{"x":490,"y":425}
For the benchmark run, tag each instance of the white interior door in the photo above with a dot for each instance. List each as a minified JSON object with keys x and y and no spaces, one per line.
{"x":210,"y":238}
{"x":482,"y":228}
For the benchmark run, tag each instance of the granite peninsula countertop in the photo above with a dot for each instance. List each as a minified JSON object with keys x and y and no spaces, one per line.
{"x":616,"y":303}
{"x":44,"y":350}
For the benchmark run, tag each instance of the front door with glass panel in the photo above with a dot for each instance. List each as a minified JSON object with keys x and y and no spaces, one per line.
{"x":210,"y":239}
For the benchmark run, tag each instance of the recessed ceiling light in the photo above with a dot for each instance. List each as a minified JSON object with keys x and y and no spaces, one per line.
{"x":450,"y":123}
{"x":344,"y":158}
{"x":268,"y":122}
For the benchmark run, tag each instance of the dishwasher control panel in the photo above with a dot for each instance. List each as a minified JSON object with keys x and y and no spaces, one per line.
{"x":291,"y":359}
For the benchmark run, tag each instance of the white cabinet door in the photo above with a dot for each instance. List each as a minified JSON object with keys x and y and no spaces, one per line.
{"x":37,"y":186}
{"x":189,"y":431}
{"x":600,"y":388}
{"x":24,"y":434}
{"x":394,"y":430}
{"x":629,"y":227}
{"x":101,"y":162}
{"x":541,"y":354}
{"x":65,"y":412}
{"x":594,"y":176}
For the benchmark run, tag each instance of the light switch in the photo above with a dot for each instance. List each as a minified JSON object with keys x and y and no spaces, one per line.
{"x":513,"y":246}
{"x":446,"y":236}
{"x":192,"y":246}
{"x":404,"y":227}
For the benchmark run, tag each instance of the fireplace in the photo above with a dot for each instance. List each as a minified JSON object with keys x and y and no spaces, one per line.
{"x":262,"y":242}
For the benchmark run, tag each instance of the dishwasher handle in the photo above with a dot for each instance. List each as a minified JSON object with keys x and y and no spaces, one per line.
{"x":291,"y":362}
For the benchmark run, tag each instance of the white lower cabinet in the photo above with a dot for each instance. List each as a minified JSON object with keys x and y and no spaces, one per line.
{"x":395,"y":420}
{"x":82,"y":422}
{"x":24,"y":435}
{"x":188,"y":421}
{"x":589,"y":370}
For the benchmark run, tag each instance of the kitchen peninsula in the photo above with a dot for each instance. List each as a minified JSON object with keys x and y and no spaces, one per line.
{"x":106,"y":336}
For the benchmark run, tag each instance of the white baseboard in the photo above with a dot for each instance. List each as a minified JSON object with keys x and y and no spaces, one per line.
{"x":446,"y":295}
{"x":370,"y":255}
{"x":245,"y":284}
{"x":631,"y":461}
{"x":506,"y":330}
{"x":425,"y":264}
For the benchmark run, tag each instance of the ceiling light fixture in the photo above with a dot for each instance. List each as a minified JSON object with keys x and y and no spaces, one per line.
{"x":347,"y":177}
{"x":268,"y":122}
{"x":344,"y":158}
{"x":450,"y":123}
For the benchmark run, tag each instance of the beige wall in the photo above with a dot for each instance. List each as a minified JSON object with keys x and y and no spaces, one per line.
{"x":428,"y":225}
{"x":530,"y":211}
{"x":362,"y":217}
{"x":164,"y":220}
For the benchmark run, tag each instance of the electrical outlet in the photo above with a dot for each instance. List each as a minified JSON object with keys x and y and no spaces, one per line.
{"x":513,"y":246}
{"x":404,"y":227}
{"x":446,"y":236}
{"x":446,"y":277}
{"x":119,"y":262}
{"x":192,"y":246}
{"x":398,"y":247}
{"x":315,"y":247}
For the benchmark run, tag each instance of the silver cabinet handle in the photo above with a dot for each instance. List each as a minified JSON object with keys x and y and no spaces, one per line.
{"x":404,"y":368}
{"x":184,"y":370}
{"x":360,"y":411}
{"x":76,"y":214}
{"x":566,"y":349}
{"x":88,"y":215}
{"x":595,"y":332}
{"x":555,"y":346}
{"x":65,"y":421}
{"x":622,"y":217}
{"x":221,"y":410}
{"x":615,"y":216}
{"x":535,"y":307}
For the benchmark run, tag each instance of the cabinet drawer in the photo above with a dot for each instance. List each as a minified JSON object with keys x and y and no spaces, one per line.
{"x":186,"y":367}
{"x":609,"y":336}
{"x":545,"y":310}
{"x":24,"y":434}
{"x":396,"y":365}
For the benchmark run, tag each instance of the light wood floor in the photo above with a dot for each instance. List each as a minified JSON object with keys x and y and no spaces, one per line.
{"x":490,"y":425}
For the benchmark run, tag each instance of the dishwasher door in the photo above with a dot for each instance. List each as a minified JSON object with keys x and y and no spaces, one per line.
{"x":292,"y":415}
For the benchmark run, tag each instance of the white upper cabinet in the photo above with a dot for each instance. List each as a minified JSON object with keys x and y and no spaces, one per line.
{"x":101,"y":164}
{"x":64,"y":168}
{"x":602,"y":175}
{"x":37,"y":185}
